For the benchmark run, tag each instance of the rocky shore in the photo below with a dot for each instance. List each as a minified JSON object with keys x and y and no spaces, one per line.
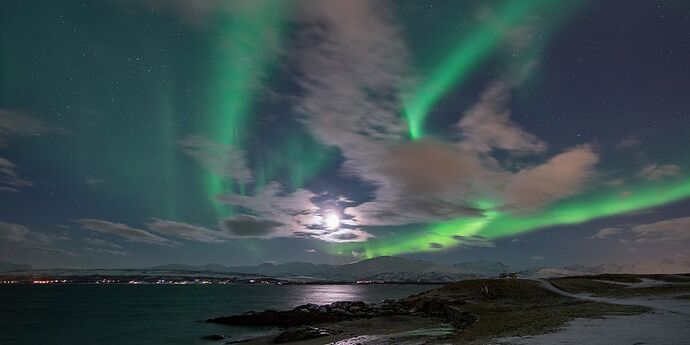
{"x":469,"y":311}
{"x":298,"y":321}
{"x":311,"y":314}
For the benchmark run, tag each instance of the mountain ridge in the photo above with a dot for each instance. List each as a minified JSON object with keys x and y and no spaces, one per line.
{"x":392,"y":267}
{"x":384,"y":269}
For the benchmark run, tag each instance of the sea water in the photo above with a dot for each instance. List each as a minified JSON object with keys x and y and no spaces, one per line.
{"x":156,"y":314}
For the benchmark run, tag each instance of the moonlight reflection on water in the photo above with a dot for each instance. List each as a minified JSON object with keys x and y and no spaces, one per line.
{"x":156,"y":314}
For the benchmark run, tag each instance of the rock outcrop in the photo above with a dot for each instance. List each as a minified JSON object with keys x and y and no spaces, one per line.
{"x":311,"y":314}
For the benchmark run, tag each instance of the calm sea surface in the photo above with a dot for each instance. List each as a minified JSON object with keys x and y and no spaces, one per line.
{"x":156,"y":314}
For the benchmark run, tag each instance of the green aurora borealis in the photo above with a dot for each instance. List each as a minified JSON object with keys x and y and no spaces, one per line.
{"x":124,"y":84}
{"x":246,"y":53}
{"x":473,"y":49}
{"x":495,"y":224}
{"x":246,"y":45}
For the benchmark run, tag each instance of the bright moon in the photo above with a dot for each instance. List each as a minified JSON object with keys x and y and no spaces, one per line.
{"x":332,"y":221}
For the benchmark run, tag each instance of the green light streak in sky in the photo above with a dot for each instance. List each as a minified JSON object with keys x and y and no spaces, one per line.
{"x":168,"y":132}
{"x":495,"y":224}
{"x":298,"y":159}
{"x":467,"y":54}
{"x":245,"y":49}
{"x":305,"y":158}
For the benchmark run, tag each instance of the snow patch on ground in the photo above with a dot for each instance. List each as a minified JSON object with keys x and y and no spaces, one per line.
{"x":668,"y":323}
{"x":655,"y":328}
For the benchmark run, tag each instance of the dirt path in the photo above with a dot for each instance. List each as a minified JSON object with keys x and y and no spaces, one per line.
{"x":656,"y":303}
{"x":668,"y":323}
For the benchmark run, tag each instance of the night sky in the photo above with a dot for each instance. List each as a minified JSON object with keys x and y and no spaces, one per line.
{"x":144,"y":132}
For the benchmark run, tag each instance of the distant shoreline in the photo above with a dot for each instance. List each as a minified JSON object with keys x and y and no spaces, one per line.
{"x":115,"y":281}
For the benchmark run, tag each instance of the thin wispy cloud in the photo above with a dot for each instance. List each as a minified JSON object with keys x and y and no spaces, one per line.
{"x":125,"y":232}
{"x":17,"y":125}
{"x":222,"y":159}
{"x":606,"y":233}
{"x":659,"y":171}
{"x":669,"y":231}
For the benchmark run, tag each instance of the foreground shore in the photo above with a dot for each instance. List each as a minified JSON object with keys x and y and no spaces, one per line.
{"x":477,"y":312}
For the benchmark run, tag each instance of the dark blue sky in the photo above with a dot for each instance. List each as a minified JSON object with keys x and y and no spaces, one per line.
{"x":141,"y":132}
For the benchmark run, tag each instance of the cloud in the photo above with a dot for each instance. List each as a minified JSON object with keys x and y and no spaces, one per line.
{"x":432,"y":180}
{"x":352,"y":65}
{"x":344,"y":235}
{"x":449,"y":189}
{"x":287,"y":212}
{"x":352,"y":72}
{"x":423,"y":181}
{"x":235,"y":227}
{"x":670,"y":231}
{"x":124,"y":231}
{"x":606,"y":233}
{"x":657,"y":171}
{"x":169,"y":228}
{"x":17,"y":124}
{"x":434,"y":245}
{"x":272,"y":202}
{"x":32,"y":240}
{"x":103,"y":243}
{"x":249,"y":226}
{"x":272,"y":213}
{"x":563,"y":175}
{"x":19,"y":233}
{"x":222,"y":159}
{"x":391,"y":207}
{"x":427,"y":180}
{"x":628,"y":143}
{"x":13,"y":232}
{"x":14,"y":124}
{"x":240,"y":226}
{"x":9,"y":177}
{"x":538,"y":257}
{"x":51,"y":250}
{"x":353,"y":61}
{"x":275,"y":214}
{"x":474,"y":241}
{"x":108,"y":251}
{"x":487,"y":125}
{"x":430,"y":166}
{"x":186,"y":231}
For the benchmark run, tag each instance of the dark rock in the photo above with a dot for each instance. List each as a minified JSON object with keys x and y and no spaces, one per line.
{"x":311,"y":314}
{"x":461,"y":319}
{"x":215,"y":337}
{"x":301,"y":333}
{"x":307,"y":314}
